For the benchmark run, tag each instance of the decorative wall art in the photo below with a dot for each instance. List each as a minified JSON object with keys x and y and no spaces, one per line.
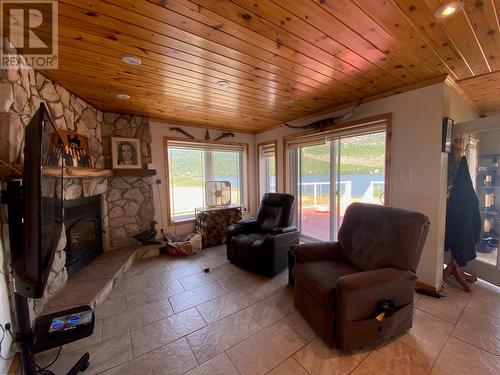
{"x":71,"y":151}
{"x":126,"y":153}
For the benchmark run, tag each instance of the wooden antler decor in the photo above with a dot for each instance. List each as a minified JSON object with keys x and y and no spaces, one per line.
{"x":183,"y":132}
{"x":328,"y":121}
{"x":224,"y":135}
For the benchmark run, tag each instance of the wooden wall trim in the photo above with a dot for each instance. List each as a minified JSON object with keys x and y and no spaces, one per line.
{"x":437,"y":289}
{"x":257,"y":165}
{"x":386,"y":117}
{"x":388,"y":152}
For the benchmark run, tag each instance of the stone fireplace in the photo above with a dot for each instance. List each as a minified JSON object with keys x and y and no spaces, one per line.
{"x":83,"y":223}
{"x":126,"y":203}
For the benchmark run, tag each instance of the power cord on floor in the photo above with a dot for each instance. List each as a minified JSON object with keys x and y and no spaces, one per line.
{"x":44,"y":370}
{"x":41,"y":370}
{"x":1,"y":342}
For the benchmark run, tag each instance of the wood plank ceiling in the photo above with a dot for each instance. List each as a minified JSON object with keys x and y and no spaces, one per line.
{"x":284,"y":59}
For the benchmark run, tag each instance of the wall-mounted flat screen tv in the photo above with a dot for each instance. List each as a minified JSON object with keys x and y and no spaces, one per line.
{"x":42,"y":207}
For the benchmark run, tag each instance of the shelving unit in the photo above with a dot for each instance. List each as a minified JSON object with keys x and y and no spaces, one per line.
{"x":488,"y":183}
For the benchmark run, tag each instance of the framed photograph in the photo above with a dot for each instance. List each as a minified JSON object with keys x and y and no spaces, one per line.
{"x":447,"y":135}
{"x":126,"y":153}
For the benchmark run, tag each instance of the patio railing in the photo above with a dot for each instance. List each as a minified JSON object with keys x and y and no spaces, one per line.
{"x":318,"y":195}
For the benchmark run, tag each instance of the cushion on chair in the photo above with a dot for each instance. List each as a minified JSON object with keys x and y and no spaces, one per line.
{"x":320,"y":279}
{"x":373,"y":236}
{"x":246,"y":245}
{"x":275,"y":211}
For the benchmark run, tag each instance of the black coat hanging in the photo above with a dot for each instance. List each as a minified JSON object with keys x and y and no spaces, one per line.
{"x":463,"y":219}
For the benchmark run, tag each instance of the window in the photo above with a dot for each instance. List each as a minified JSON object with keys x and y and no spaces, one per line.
{"x":267,"y":167}
{"x":330,"y":170}
{"x":192,"y":164}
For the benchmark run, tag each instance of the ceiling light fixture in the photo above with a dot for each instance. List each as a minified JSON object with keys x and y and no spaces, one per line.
{"x":131,"y":60}
{"x":223,"y":84}
{"x":123,"y":96}
{"x":448,"y":9}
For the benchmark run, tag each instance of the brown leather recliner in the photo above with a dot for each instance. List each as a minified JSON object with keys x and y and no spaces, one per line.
{"x":338,"y":285}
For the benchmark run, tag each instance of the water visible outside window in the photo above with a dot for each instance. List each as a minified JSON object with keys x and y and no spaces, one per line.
{"x":359,"y":175}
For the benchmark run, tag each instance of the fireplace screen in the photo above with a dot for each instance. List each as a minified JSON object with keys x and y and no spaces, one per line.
{"x":83,"y":233}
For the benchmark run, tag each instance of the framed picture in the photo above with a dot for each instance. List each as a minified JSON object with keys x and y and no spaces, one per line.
{"x":447,"y":134}
{"x":68,"y":149}
{"x":126,"y":153}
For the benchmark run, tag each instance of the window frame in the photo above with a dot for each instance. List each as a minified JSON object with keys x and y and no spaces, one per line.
{"x":273,"y":142}
{"x":383,"y":118}
{"x":245,"y":195}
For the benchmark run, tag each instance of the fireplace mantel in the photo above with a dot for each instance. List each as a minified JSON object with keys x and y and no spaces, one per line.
{"x":76,"y":172}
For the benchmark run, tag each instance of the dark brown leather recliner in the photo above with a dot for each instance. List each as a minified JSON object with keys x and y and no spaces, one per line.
{"x":338,"y":285}
{"x":262,"y":244}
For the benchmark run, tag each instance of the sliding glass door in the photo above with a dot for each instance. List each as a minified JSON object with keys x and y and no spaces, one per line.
{"x":360,"y":172}
{"x":342,"y":169}
{"x":314,"y":190}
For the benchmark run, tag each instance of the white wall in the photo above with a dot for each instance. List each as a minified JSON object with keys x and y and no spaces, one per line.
{"x":159,"y":130}
{"x":418,"y":168}
{"x":455,"y":107}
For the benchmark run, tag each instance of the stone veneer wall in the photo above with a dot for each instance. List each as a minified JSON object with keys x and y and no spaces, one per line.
{"x":130,"y":210}
{"x":21,"y":92}
{"x":130,"y":199}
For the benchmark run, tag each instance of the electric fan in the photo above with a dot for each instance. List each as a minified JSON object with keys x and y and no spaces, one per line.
{"x":217,"y":193}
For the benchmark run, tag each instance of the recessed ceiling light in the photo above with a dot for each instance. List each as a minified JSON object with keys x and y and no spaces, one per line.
{"x":289,"y":102}
{"x":448,"y":9}
{"x":223,"y":84}
{"x":123,"y":96}
{"x":131,"y":60}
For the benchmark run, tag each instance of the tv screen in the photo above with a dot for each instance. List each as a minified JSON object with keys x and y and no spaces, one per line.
{"x":42,"y":205}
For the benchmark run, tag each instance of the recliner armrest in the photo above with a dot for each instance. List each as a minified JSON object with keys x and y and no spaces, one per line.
{"x":315,"y":251}
{"x":243,"y":226}
{"x":359,"y":293}
{"x":282,"y":230}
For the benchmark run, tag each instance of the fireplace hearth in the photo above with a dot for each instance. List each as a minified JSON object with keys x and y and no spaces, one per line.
{"x":82,"y":218}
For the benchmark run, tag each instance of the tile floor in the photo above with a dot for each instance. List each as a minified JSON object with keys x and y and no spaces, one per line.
{"x":168,"y":317}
